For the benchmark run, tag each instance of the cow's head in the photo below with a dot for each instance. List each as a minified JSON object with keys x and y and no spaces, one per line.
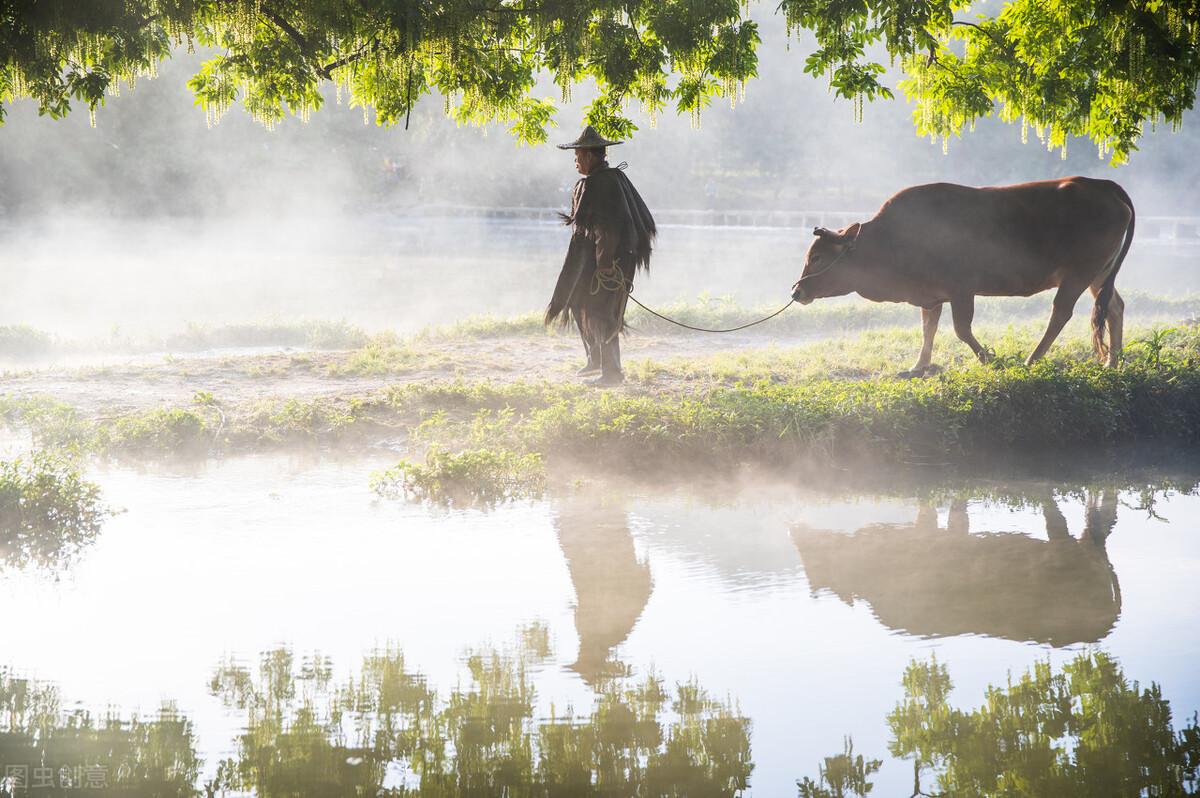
{"x":825,"y":267}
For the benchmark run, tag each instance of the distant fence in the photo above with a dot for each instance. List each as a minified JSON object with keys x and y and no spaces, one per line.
{"x":1180,"y":229}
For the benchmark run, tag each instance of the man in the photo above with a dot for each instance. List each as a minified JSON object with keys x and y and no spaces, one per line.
{"x":612,"y":234}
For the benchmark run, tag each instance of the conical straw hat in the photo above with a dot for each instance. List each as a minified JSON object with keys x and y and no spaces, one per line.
{"x":587,"y":139}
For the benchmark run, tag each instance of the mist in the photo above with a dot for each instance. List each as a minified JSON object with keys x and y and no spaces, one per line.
{"x":340,"y":556}
{"x":151,"y":220}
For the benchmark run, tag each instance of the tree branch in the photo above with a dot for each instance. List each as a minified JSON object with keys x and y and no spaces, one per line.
{"x":145,"y":22}
{"x":287,"y":28}
{"x":296,"y":36}
{"x":327,"y":70}
{"x":985,"y":31}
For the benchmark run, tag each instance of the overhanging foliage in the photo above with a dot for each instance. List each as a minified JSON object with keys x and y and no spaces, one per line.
{"x":1065,"y":67}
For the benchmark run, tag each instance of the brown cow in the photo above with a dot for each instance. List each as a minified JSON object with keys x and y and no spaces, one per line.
{"x":940,"y":243}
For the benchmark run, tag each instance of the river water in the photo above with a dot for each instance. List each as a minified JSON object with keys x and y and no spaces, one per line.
{"x":101,"y":281}
{"x":721,"y":636}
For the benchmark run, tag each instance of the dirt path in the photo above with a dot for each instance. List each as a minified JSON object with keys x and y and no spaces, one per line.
{"x":114,"y":383}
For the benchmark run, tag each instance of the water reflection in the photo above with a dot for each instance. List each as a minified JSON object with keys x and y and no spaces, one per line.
{"x":388,"y":730}
{"x":927,"y":580}
{"x":46,"y":750}
{"x":1082,"y":730}
{"x":841,"y":775}
{"x":298,"y":725}
{"x":611,"y":584}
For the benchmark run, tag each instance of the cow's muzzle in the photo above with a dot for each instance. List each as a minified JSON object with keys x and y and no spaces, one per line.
{"x":800,"y":295}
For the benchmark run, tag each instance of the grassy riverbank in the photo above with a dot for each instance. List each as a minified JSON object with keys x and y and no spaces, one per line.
{"x":825,"y":402}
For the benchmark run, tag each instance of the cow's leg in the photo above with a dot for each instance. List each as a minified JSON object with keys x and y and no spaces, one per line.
{"x":1114,"y":322}
{"x":962,"y":310}
{"x":1116,"y":329}
{"x":1060,"y":314}
{"x":929,"y":326}
{"x":1101,"y":516}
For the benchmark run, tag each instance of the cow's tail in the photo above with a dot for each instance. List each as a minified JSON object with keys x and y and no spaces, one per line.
{"x":1104,"y":297}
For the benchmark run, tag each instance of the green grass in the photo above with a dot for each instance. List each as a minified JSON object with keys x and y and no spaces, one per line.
{"x":23,"y":342}
{"x":202,"y":428}
{"x":881,"y":354}
{"x":308,"y":334}
{"x":824,"y":316}
{"x":831,"y":401}
{"x":384,"y":357}
{"x":53,"y":424}
{"x":775,"y":407}
{"x":490,"y":327}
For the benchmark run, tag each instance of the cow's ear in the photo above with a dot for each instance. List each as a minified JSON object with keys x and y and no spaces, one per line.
{"x":852,"y":233}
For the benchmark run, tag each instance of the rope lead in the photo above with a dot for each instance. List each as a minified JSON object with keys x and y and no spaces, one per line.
{"x":705,"y":329}
{"x":614,"y":280}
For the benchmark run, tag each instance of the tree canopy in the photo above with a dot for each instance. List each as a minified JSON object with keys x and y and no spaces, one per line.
{"x":1064,"y":67}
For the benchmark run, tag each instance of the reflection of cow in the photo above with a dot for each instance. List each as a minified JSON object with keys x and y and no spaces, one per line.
{"x":930,"y":581}
{"x":611,"y":585}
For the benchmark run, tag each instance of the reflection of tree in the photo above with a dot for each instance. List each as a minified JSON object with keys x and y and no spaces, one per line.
{"x":387,"y":729}
{"x":1083,"y":730}
{"x":612,"y":585}
{"x":291,"y":744}
{"x":931,"y":581}
{"x":63,"y":751}
{"x":841,"y":775}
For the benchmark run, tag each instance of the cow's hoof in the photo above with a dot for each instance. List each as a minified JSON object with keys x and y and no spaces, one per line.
{"x":917,"y":373}
{"x":590,"y":368}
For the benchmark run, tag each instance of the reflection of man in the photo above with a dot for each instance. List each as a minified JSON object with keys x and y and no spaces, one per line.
{"x":611,"y":584}
{"x":612,"y":234}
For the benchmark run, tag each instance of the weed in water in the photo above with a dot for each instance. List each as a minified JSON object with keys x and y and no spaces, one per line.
{"x":48,"y":511}
{"x":474,"y":477}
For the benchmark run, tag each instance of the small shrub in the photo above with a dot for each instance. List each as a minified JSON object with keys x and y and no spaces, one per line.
{"x":472,"y":477}
{"x":48,"y":511}
{"x":51,"y":423}
{"x":377,"y":358}
{"x":19,"y":341}
{"x":161,"y":430}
